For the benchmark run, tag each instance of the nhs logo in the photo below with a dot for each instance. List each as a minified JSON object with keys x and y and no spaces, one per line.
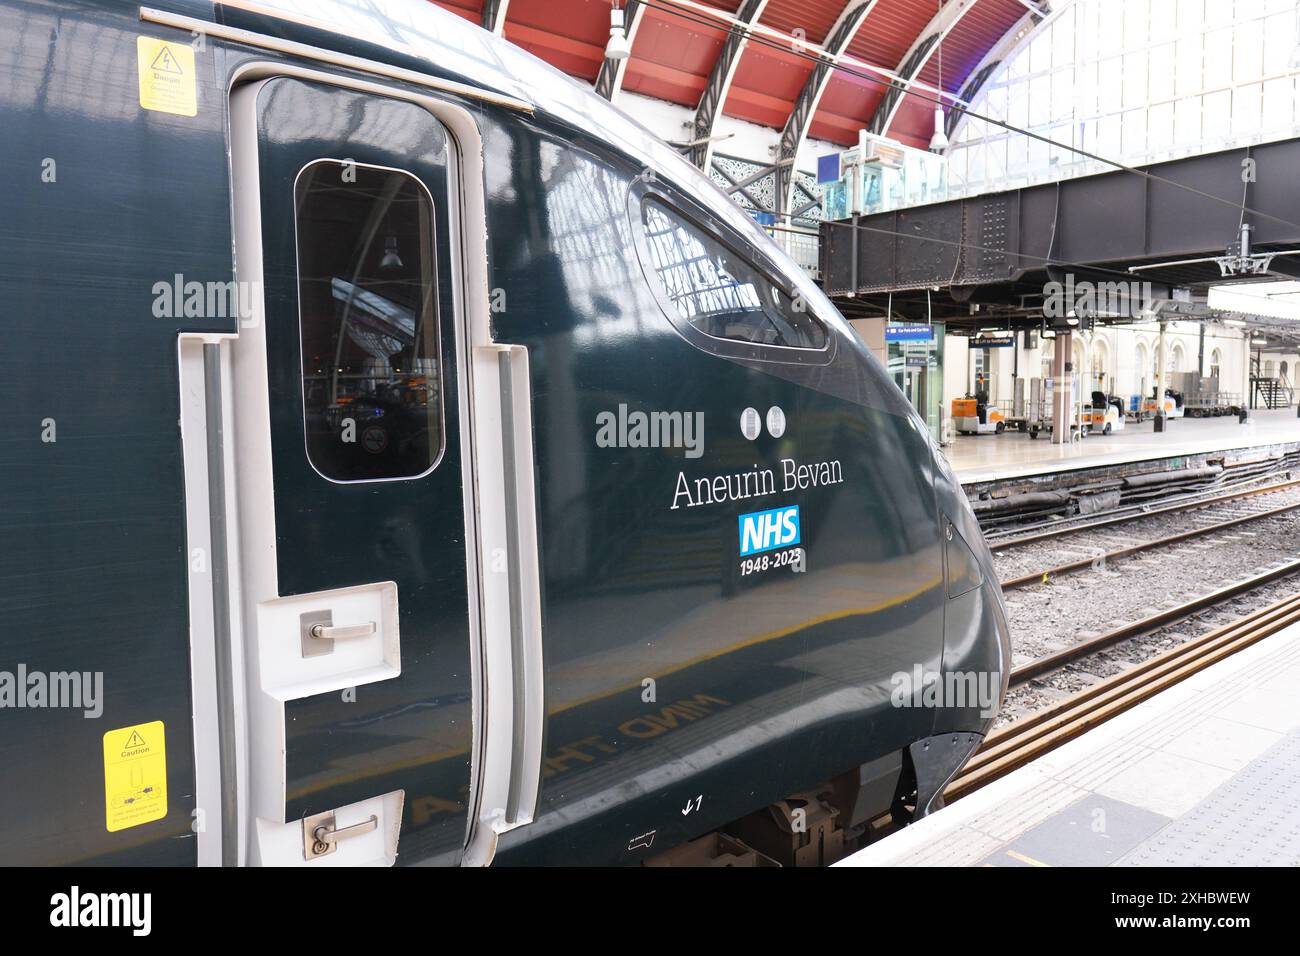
{"x":765,"y":530}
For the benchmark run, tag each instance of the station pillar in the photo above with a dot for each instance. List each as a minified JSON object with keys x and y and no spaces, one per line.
{"x":1062,"y":387}
{"x":1161,"y":362}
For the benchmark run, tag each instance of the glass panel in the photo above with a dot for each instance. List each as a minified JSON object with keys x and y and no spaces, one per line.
{"x":1160,"y":127}
{"x":1218,"y":58}
{"x":1136,"y":13}
{"x":1187,"y":121}
{"x":371,"y":379}
{"x":719,"y":292}
{"x":1279,"y":103}
{"x":1216,"y":119}
{"x":1248,"y":52}
{"x":1189,"y":65}
{"x":1161,"y":73}
{"x":1246,"y":104}
{"x":1135,"y":79}
{"x":1279,"y":41}
{"x":1040,"y":51}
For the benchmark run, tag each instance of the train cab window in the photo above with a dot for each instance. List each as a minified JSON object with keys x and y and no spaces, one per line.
{"x":368,"y":309}
{"x":718,"y":291}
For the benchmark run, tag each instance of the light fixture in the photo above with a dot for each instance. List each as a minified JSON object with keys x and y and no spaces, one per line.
{"x":939,"y":141}
{"x":617,"y":48}
{"x":1235,"y":323}
{"x":391,"y":259}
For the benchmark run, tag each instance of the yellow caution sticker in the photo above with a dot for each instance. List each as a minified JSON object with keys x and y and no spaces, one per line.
{"x":167,"y":81}
{"x":135,"y":776}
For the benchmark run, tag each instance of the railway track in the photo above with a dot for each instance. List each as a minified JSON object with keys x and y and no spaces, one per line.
{"x":1002,"y":543}
{"x":1110,"y":669}
{"x":1150,"y":624}
{"x":1031,"y":737}
{"x":1101,"y":557}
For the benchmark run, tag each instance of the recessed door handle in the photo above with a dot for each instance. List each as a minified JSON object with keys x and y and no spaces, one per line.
{"x":342,"y":632}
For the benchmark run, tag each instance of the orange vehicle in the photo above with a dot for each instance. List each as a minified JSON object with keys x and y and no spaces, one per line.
{"x":973,"y":415}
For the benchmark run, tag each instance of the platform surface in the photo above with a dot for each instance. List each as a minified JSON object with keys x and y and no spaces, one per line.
{"x":1015,"y":455}
{"x":1204,"y":773}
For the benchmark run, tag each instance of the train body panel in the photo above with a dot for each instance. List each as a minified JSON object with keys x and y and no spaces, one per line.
{"x":751,"y":563}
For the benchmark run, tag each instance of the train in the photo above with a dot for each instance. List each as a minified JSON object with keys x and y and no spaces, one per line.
{"x":411,"y":459}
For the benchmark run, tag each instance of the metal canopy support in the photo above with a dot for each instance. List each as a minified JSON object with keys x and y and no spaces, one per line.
{"x":915,"y":61}
{"x":494,"y":16}
{"x":910,"y":68}
{"x":741,"y":186}
{"x":609,"y":82}
{"x":1021,"y":32}
{"x":805,"y":107}
{"x":715,"y":93}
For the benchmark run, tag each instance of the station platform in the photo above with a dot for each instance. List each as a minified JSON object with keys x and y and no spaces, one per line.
{"x":980,"y":458}
{"x":1204,"y":773}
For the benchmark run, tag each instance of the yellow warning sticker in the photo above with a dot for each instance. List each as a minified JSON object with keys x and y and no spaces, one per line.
{"x":135,"y":776}
{"x":167,"y":81}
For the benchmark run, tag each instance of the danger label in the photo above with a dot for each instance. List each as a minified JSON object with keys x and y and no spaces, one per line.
{"x":167,"y":82}
{"x":135,"y":776}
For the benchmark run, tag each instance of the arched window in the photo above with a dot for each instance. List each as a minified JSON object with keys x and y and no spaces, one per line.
{"x":1136,"y":81}
{"x":1216,"y":362}
{"x":1100,"y":367}
{"x":1177,"y":357}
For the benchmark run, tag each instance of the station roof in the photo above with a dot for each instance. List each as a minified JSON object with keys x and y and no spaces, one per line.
{"x":677,"y":43}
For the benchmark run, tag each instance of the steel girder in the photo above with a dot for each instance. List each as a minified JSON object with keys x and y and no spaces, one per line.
{"x":982,"y":246}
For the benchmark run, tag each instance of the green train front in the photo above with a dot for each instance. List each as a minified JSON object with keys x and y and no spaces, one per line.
{"x":506,"y":365}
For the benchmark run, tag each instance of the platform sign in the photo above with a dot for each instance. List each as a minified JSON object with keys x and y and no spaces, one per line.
{"x":909,"y":333}
{"x":993,"y":342}
{"x":918,"y":361}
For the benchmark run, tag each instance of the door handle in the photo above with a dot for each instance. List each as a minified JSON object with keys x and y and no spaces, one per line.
{"x":318,"y":632}
{"x":327,"y":834}
{"x":320,"y":837}
{"x":342,"y":632}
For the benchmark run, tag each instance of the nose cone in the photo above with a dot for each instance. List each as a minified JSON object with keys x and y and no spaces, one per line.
{"x":998,"y":608}
{"x":976,"y":640}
